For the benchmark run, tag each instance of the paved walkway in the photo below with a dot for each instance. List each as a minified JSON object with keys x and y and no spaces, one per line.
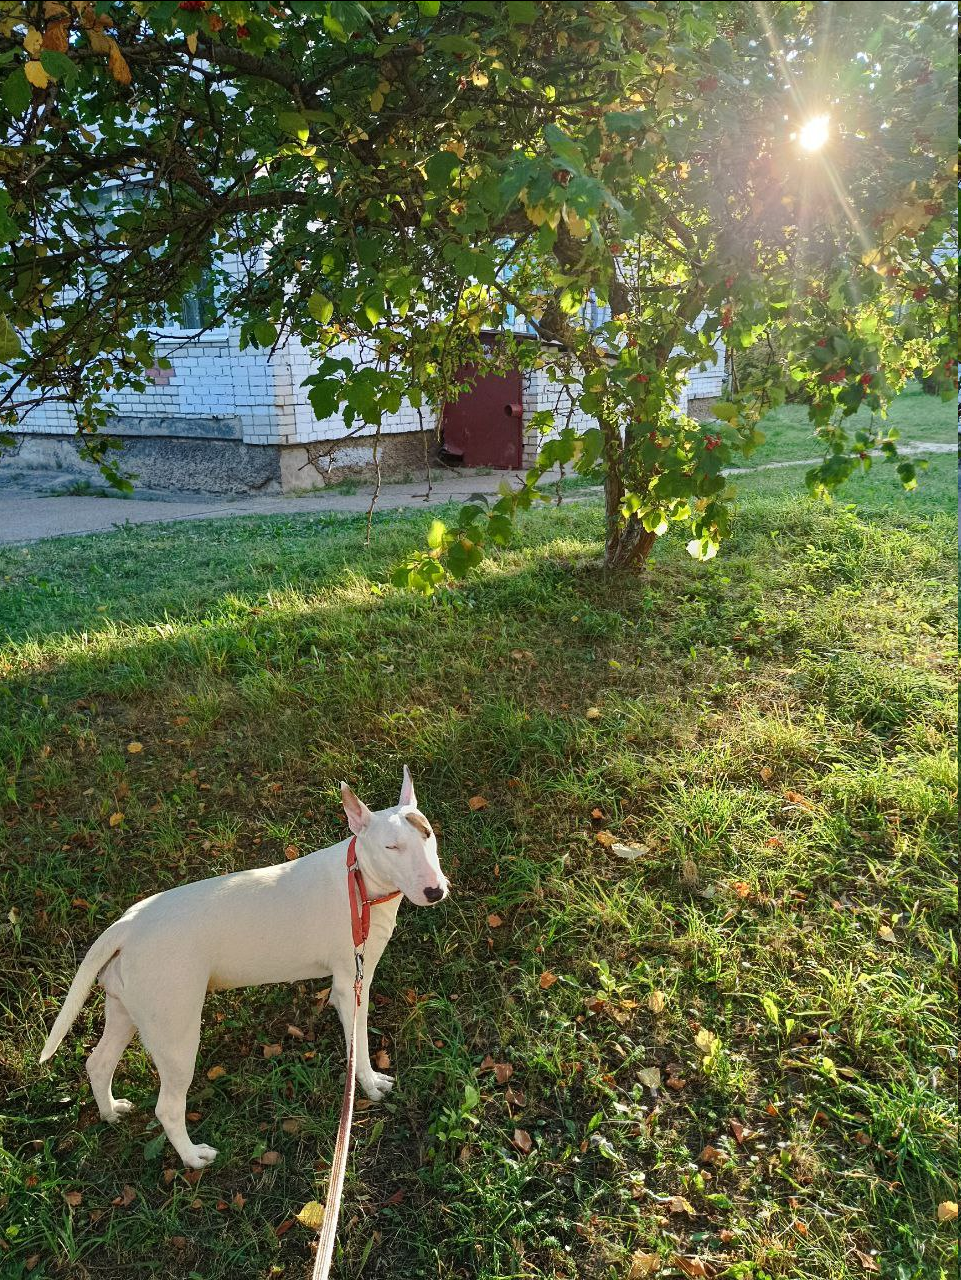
{"x":26,"y":515}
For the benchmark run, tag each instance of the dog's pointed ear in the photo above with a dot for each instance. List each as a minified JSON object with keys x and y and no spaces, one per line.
{"x":358,"y":815}
{"x":407,"y":791}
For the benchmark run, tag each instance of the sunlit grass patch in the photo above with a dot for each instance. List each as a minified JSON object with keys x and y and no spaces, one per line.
{"x":708,"y":905}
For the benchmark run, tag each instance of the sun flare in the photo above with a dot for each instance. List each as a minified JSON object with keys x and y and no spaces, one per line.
{"x":815,"y":133}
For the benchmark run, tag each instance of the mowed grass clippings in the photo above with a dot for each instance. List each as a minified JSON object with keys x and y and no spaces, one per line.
{"x":691,"y":1003}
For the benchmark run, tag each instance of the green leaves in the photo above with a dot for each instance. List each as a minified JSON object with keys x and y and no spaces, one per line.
{"x":440,"y":168}
{"x":10,"y":344}
{"x":320,"y":308}
{"x":16,"y":92}
{"x":563,"y":146}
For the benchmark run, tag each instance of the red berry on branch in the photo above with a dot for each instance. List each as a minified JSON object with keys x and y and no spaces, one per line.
{"x":865,"y":379}
{"x":920,"y":293}
{"x":822,"y":342}
{"x":243,"y":32}
{"x":641,"y":377}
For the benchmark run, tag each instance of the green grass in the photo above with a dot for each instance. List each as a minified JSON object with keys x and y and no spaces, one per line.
{"x":920,"y":418}
{"x":776,"y":731}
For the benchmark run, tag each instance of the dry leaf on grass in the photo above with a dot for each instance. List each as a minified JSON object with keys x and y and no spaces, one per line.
{"x":657,"y":1002}
{"x":126,"y":1197}
{"x":605,"y":838}
{"x":630,"y":852}
{"x":135,"y":748}
{"x":695,"y":1267}
{"x":523,"y":1141}
{"x":293,"y":1125}
{"x":115,"y":819}
{"x":494,"y":921}
{"x":644,"y":1264}
{"x":215,"y":1073}
{"x":866,"y":1261}
{"x":381,"y":1059}
{"x":795,"y":797}
{"x":597,"y":815}
{"x":650,"y":1077}
{"x":689,"y":873}
{"x":291,"y":853}
{"x":271,"y":1158}
{"x":947,"y":1211}
{"x":739,"y":1130}
{"x":311,"y":1215}
{"x":476,"y":802}
{"x":593,"y":713}
{"x":547,"y":979}
{"x":678,"y":1204}
{"x":502,"y":1070}
{"x":294,"y":1031}
{"x":74,"y":1198}
{"x":711,"y":1155}
{"x":887,"y":934}
{"x":273,"y":1050}
{"x":238,"y":1201}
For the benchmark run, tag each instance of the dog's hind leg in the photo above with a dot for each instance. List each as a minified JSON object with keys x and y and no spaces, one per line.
{"x":117,"y":1033}
{"x":173,"y":1044}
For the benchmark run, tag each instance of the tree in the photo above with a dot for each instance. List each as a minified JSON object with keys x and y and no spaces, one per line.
{"x":415,"y":169}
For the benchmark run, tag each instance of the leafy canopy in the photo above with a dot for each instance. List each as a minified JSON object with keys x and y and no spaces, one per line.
{"x":405,"y":176}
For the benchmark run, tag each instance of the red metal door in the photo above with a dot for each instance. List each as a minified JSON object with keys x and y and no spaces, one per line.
{"x":485,"y":426}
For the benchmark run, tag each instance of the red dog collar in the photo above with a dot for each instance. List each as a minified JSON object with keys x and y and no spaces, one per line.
{"x":360,"y":904}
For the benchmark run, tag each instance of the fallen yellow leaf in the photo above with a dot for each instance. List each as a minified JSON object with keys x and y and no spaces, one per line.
{"x":546,"y":980}
{"x":116,"y":819}
{"x":947,"y":1211}
{"x":311,"y":1215}
{"x":476,"y":802}
{"x":215,"y":1073}
{"x":135,"y":748}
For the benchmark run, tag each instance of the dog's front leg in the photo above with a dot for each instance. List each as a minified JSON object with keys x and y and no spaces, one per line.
{"x":374,"y":1083}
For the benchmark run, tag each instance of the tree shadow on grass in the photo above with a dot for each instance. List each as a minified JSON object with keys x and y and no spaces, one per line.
{"x":248,"y":707}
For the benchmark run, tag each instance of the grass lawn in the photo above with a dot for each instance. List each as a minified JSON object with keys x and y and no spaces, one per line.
{"x":731,"y":1052}
{"x":920,"y":418}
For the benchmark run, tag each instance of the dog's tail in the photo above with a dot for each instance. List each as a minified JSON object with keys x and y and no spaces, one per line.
{"x":104,"y":949}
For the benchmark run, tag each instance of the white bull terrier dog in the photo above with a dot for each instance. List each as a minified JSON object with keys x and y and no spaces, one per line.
{"x":288,"y":923}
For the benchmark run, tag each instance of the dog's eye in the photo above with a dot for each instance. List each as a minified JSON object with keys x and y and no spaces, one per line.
{"x":392,"y":846}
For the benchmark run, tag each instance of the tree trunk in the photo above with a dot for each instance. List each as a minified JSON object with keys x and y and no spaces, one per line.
{"x":628,"y":546}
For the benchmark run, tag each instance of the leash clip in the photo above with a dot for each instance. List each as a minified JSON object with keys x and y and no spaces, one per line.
{"x":359,"y":975}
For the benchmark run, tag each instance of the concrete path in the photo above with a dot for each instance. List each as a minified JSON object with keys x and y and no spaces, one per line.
{"x":26,"y":516}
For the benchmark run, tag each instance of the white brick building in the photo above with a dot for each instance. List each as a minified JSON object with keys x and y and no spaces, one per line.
{"x":226,"y":420}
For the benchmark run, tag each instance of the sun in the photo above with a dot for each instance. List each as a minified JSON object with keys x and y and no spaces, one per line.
{"x":814,"y":133}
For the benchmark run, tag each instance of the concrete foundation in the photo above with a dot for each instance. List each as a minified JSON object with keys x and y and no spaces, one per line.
{"x":226,"y":466}
{"x":326,"y":462}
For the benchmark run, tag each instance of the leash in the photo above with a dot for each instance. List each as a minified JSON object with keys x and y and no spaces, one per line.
{"x":360,"y":906}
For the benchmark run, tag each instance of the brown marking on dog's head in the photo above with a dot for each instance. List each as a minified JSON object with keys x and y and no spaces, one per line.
{"x":420,"y":823}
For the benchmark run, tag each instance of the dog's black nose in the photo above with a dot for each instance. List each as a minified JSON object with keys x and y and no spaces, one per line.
{"x":434,"y":893}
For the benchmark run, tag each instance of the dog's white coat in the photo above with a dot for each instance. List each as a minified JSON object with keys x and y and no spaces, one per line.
{"x":286,"y":923}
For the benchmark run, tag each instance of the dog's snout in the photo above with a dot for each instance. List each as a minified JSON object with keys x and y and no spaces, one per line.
{"x":433,"y":893}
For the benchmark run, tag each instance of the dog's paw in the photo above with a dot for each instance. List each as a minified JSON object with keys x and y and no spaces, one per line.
{"x":377,"y":1085}
{"x":198,"y":1157}
{"x":121,"y":1107}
